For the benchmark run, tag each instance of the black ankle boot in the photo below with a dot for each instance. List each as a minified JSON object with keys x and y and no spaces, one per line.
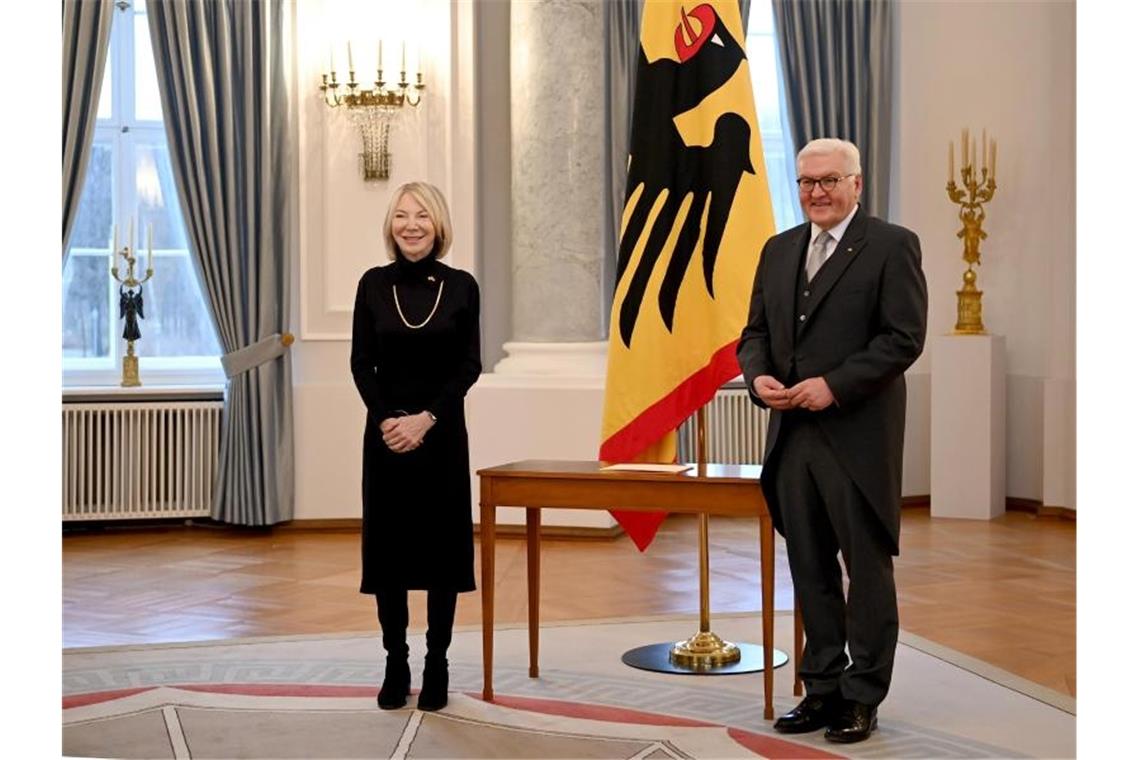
{"x":433,"y":693}
{"x":397,"y":684}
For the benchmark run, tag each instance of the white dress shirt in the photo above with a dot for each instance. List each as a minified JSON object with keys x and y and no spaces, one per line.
{"x":835,"y":232}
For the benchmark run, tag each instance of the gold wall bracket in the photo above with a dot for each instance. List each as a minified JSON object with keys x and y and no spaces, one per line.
{"x":372,"y":111}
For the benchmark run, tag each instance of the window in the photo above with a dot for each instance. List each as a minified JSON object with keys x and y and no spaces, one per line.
{"x":129,"y":176}
{"x":768,"y":92}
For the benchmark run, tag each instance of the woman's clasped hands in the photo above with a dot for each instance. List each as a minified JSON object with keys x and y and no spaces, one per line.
{"x":404,"y":434}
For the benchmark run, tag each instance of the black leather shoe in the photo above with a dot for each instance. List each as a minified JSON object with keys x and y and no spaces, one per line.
{"x":813,"y":713}
{"x":396,"y":687}
{"x":433,"y":693}
{"x":854,"y":723}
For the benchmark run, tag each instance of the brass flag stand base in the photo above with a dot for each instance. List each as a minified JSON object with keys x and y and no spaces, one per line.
{"x":704,"y":649}
{"x":704,"y":652}
{"x":655,"y":658}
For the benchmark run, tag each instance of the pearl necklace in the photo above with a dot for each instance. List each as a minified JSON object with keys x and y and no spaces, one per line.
{"x":400,"y":311}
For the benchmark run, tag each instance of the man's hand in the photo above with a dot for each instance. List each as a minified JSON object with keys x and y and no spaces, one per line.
{"x":403,"y":434}
{"x":812,"y":394}
{"x":772,"y":392}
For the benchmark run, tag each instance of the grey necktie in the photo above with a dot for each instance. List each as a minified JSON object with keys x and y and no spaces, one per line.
{"x":817,"y":254}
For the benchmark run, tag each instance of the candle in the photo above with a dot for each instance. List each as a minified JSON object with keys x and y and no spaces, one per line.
{"x":332,"y":61}
{"x":973,"y":153}
{"x":149,"y":240}
{"x":965,"y":141}
{"x":115,"y":251}
{"x":350,"y":66}
{"x":380,"y":55}
{"x":131,"y":235}
{"x":993,"y":158}
{"x":951,"y":174}
{"x":403,"y":57}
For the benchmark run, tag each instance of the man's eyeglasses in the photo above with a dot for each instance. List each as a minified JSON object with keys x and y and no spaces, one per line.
{"x":807,"y":184}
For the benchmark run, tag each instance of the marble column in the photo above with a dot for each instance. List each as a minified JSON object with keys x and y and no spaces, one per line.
{"x":557,"y":183}
{"x":548,"y":391}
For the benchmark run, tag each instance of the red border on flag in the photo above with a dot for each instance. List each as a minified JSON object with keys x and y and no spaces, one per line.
{"x":669,"y":412}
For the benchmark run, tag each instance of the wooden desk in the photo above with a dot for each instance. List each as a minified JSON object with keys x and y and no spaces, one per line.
{"x":731,"y":490}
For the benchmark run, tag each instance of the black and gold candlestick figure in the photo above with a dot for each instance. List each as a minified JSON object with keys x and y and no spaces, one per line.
{"x":131,"y":305}
{"x":131,"y":309}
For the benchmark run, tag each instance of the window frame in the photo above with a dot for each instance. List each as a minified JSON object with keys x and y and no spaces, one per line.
{"x":124,"y":133}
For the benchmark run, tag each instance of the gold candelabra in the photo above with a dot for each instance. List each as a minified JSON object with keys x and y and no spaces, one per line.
{"x":373,"y":110}
{"x":977,"y":189}
{"x":130,"y":302}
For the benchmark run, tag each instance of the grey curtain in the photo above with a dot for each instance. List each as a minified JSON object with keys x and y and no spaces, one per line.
{"x":221,"y":75}
{"x":86,"y":38}
{"x":622,"y":24}
{"x":837,"y":64}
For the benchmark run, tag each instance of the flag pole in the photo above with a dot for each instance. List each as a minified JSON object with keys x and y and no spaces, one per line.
{"x":704,"y":649}
{"x":704,"y":653}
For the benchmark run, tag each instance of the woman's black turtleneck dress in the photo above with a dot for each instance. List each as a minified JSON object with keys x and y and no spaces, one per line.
{"x":417,"y":505}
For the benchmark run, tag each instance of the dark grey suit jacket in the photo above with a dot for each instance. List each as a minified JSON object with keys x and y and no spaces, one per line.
{"x":865,"y":324}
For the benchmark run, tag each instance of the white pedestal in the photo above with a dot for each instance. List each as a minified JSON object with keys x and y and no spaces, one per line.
{"x":967,"y":426}
{"x":544,"y":401}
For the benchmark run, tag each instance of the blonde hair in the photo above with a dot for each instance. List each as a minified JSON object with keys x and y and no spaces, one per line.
{"x":826,"y":146}
{"x":430,"y":197}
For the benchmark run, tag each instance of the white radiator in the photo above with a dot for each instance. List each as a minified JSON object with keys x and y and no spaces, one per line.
{"x":736,"y":429}
{"x":139,"y":460}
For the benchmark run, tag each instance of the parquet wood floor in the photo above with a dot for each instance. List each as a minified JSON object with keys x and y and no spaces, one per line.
{"x":1002,"y":591}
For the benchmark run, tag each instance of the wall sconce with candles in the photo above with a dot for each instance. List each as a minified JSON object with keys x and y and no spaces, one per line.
{"x":373,"y":110}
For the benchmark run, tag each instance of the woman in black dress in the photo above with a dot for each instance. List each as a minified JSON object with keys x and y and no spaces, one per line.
{"x":415,"y":352}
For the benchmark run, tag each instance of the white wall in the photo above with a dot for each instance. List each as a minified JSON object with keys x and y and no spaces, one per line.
{"x":339,"y":219}
{"x":1008,"y":67}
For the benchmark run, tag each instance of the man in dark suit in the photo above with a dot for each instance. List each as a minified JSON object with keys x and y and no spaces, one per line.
{"x":838,"y":313}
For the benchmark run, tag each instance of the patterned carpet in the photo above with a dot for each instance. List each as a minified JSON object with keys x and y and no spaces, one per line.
{"x":314,"y":697}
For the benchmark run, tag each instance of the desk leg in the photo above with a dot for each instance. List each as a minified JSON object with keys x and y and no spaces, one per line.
{"x":767,"y":598}
{"x":487,"y":558}
{"x":533,"y":520}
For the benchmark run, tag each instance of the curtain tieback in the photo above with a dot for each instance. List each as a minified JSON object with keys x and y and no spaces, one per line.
{"x":255,"y":354}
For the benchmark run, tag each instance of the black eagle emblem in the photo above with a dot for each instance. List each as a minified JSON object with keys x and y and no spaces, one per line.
{"x":660,"y":160}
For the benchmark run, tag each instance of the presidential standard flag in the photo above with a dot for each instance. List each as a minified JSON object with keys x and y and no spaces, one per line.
{"x":697,"y":212}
